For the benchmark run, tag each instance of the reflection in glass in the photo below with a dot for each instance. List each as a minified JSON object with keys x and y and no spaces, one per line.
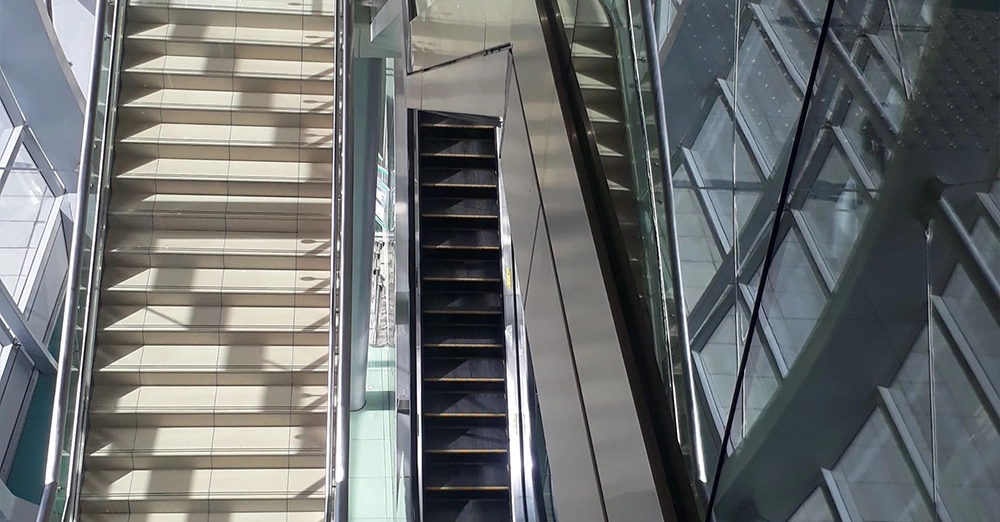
{"x":967,"y":443}
{"x":25,"y":204}
{"x":793,"y":297}
{"x":877,"y":479}
{"x":814,"y":509}
{"x":764,"y":94}
{"x":721,"y":359}
{"x":975,"y":322}
{"x":835,"y":210}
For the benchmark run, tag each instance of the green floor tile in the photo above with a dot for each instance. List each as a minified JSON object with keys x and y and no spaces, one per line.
{"x":368,"y":458}
{"x":367,"y":498}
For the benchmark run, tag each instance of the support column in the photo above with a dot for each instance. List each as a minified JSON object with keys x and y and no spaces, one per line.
{"x":368,"y":102}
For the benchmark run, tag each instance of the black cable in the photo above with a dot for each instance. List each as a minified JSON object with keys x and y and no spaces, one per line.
{"x":771,"y":248}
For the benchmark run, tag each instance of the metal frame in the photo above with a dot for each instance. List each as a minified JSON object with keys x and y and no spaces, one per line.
{"x":512,"y":364}
{"x":416,"y":363}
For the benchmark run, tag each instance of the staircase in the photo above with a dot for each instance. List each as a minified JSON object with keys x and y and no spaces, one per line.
{"x":595,"y":60}
{"x":209,"y":399}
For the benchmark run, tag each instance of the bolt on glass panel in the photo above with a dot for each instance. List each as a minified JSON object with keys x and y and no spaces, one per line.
{"x":835,"y":210}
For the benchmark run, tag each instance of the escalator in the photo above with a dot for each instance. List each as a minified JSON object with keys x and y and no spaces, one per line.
{"x":462,"y":377}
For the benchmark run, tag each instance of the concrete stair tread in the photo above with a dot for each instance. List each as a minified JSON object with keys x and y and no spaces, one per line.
{"x":230,"y":318}
{"x":181,"y":399}
{"x":325,"y":8}
{"x":211,"y":358}
{"x":227,"y":135}
{"x":207,"y":100}
{"x":202,"y":483}
{"x":302,"y":516}
{"x":230,"y":207}
{"x":592,"y":82}
{"x":196,"y":441}
{"x":216,"y":280}
{"x":230,"y":67}
{"x":591,"y":50}
{"x":241,"y":33}
{"x":228,"y":170}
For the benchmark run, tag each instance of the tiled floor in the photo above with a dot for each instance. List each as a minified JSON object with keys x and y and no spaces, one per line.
{"x":373,"y":443}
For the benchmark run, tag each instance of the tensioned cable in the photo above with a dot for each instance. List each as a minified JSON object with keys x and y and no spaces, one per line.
{"x":769,"y":259}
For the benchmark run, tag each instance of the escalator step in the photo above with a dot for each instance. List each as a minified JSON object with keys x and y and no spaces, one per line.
{"x":483,"y":478}
{"x":461,"y":270}
{"x":464,"y":208}
{"x":443,"y":440}
{"x":458,"y":146}
{"x":462,"y":337}
{"x":430,"y":119}
{"x":474,"y":510}
{"x":462,"y":303}
{"x":460,"y":405}
{"x":472,"y":238}
{"x":445,"y":178}
{"x":463,"y":370}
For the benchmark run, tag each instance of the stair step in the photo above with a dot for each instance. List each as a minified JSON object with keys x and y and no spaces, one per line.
{"x":216,"y":286}
{"x":466,"y":510}
{"x":461,"y":370}
{"x":217,"y":249}
{"x":226,"y":142}
{"x":224,"y":365}
{"x":485,"y":439}
{"x":224,"y":177}
{"x":205,"y":447}
{"x":257,"y":516}
{"x":460,"y":405}
{"x":198,"y":212}
{"x":228,"y":74}
{"x":203,"y":490}
{"x":226,"y":108}
{"x":278,"y":14}
{"x":207,"y":406}
{"x":248,"y":37}
{"x":162,"y":324}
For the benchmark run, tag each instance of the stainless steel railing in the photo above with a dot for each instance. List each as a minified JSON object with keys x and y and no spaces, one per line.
{"x":339,"y":410}
{"x":72,"y":388}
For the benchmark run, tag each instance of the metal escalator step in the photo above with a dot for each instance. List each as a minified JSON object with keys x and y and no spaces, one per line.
{"x":461,"y":270}
{"x":462,"y":370}
{"x":462,"y":337}
{"x":462,"y":303}
{"x":459,"y":405}
{"x":472,"y":510}
{"x":459,"y":146}
{"x":452,"y":178}
{"x":469,"y":439}
{"x":460,"y":239}
{"x":469,"y":478}
{"x":465,"y":208}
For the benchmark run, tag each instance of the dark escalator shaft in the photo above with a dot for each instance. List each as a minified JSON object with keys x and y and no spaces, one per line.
{"x":465,"y":443}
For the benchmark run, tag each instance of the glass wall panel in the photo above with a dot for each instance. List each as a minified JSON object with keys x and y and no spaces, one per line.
{"x":721,"y":358}
{"x":967,"y":470}
{"x":835,"y":210}
{"x":699,"y":251}
{"x":765,"y":95}
{"x":25,"y":203}
{"x":793,"y":297}
{"x":976,"y":324}
{"x":877,"y":477}
{"x":814,"y":509}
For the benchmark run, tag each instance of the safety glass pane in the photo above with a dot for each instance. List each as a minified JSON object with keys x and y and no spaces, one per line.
{"x":814,"y":509}
{"x":25,"y":204}
{"x":700,"y":255}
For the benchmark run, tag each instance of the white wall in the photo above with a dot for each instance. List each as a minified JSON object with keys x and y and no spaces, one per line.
{"x":74,"y":24}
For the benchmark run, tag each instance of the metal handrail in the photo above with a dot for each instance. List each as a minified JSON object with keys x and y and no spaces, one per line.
{"x":105,"y":29}
{"x":338,"y":411}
